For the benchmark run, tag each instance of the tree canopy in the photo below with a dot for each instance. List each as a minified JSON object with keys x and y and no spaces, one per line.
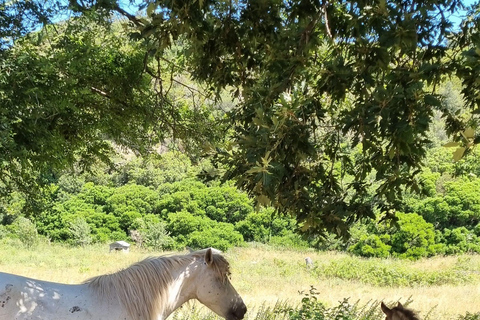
{"x":312,"y":80}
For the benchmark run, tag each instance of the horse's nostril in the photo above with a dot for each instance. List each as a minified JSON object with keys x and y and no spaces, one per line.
{"x":241,"y":310}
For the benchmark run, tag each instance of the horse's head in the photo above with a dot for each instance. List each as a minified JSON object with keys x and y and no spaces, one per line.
{"x":398,"y":313}
{"x":214,"y":288}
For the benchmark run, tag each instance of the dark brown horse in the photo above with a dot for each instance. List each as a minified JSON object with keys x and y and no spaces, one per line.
{"x":398,"y":313}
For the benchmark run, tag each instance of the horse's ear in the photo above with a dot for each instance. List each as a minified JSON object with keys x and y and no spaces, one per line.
{"x":386,"y":309}
{"x":209,"y":256}
{"x":400,"y":305}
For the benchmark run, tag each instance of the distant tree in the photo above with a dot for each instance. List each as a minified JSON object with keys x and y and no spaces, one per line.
{"x":414,"y":238}
{"x":81,"y":232}
{"x":457,"y":206}
{"x":24,"y":230}
{"x":74,"y":93}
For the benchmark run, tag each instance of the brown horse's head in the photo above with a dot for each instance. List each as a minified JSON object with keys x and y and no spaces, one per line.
{"x":398,"y":313}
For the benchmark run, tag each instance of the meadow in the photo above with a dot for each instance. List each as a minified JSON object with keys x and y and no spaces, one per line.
{"x":272,"y":279}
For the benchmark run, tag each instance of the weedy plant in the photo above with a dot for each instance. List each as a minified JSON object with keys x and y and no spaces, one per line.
{"x":470,"y":316}
{"x":312,"y":308}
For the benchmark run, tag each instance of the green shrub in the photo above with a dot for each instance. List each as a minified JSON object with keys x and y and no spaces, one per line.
{"x":80,"y":232}
{"x":457,"y":206}
{"x":129,"y":220}
{"x":261,"y":225}
{"x":23,"y":229}
{"x":3,"y":232}
{"x":220,"y":235}
{"x":181,"y":224}
{"x":288,"y":240}
{"x":154,"y":234}
{"x":255,"y":227}
{"x":414,"y":238}
{"x":222,"y":203}
{"x":460,"y":240}
{"x":132,"y":197}
{"x":370,"y":246}
{"x":411,"y":237}
{"x":310,"y":308}
{"x":470,"y":316}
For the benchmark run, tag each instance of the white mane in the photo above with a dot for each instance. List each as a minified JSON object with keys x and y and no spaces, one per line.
{"x":142,"y":288}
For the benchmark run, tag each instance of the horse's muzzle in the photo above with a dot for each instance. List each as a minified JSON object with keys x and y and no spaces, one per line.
{"x":237,"y":312}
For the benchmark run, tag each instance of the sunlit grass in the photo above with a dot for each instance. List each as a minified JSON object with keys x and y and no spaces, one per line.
{"x":267,"y":278}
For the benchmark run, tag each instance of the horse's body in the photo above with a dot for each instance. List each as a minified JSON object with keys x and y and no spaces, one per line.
{"x":149,"y":290}
{"x":25,"y":298}
{"x":398,"y":313}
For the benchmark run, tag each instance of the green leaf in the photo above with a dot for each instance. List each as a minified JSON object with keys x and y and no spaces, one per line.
{"x":451,"y":144}
{"x":458,"y":154}
{"x":263,"y":200}
{"x":151,"y":8}
{"x":432,"y":100}
{"x":469,"y":133}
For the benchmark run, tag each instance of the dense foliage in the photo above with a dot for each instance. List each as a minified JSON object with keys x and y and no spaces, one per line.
{"x":160,"y":203}
{"x":313,"y":81}
{"x":157,"y":203}
{"x":77,"y":92}
{"x":446,"y":221}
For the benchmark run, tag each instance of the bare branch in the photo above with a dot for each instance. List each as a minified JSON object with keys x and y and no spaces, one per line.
{"x":130,"y":17}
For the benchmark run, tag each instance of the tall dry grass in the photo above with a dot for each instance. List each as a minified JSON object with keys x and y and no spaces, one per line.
{"x":264,"y":275}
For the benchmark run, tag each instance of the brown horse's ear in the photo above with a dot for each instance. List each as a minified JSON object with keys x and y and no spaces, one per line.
{"x":209,"y":256}
{"x":400,"y":305}
{"x":386,"y":309}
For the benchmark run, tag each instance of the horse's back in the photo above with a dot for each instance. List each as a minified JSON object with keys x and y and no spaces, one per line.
{"x":24,"y":298}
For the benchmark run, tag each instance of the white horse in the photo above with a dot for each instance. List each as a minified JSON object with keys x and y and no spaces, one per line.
{"x":149,"y":290}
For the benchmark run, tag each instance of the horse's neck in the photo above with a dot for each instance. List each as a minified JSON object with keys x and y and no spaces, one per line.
{"x":179,"y":292}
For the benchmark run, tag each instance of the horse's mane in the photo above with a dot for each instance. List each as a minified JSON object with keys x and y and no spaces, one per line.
{"x":405,"y":314}
{"x":143,"y":287}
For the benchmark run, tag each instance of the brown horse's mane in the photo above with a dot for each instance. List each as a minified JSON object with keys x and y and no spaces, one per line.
{"x":405,"y":314}
{"x":142,"y":288}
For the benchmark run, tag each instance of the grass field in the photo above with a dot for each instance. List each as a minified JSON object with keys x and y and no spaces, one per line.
{"x":439,"y":288}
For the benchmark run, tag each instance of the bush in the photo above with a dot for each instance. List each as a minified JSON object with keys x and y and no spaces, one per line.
{"x":154,"y":234}
{"x":181,"y":224}
{"x":457,"y":206}
{"x":412,"y":237}
{"x":470,"y":316}
{"x":289,"y":240}
{"x":3,"y":232}
{"x":310,"y":308}
{"x":132,"y":197}
{"x":415,"y":238}
{"x":371,"y":246}
{"x":460,"y":240}
{"x":222,"y":203}
{"x":221,"y":236}
{"x":80,"y":232}
{"x":258,"y":225}
{"x":23,"y":229}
